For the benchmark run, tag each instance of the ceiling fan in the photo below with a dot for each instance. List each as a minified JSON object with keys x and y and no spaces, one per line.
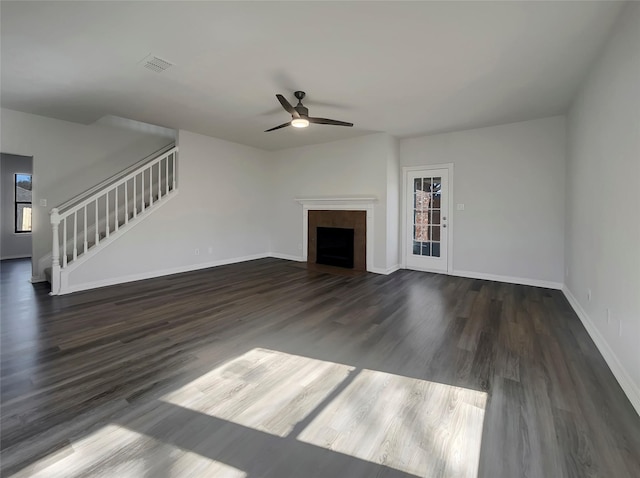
{"x":300,"y":114}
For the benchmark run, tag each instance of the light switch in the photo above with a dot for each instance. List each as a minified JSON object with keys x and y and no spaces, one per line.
{"x":460,"y":207}
{"x":43,"y":202}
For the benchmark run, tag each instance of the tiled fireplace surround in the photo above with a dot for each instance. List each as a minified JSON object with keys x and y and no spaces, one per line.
{"x":356,"y":213}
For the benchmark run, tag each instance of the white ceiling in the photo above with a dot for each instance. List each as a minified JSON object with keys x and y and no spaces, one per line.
{"x":406,"y":68}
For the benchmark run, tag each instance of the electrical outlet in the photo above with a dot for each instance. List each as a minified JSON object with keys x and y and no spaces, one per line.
{"x":608,"y":316}
{"x":620,"y":328}
{"x":210,"y":250}
{"x":460,"y":207}
{"x":588,"y":295}
{"x":299,"y":247}
{"x":43,"y":202}
{"x":197,"y":252}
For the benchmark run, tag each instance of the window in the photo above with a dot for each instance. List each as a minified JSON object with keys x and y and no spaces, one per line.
{"x":23,"y":203}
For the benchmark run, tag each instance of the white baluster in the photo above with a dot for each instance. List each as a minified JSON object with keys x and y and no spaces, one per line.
{"x":107,"y":213}
{"x":159,"y":180}
{"x":173,"y":160}
{"x":142,"y":190}
{"x":97,"y":223}
{"x":135,"y":196}
{"x":126,"y":202}
{"x":75,"y":235}
{"x":166,"y":176}
{"x":55,"y":252}
{"x":151,"y":186}
{"x":64,"y":243}
{"x":116,"y":209}
{"x":85,"y":229}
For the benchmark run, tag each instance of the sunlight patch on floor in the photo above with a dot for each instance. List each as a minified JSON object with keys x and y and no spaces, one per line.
{"x":115,"y":451}
{"x":419,"y":427}
{"x":262,"y":389}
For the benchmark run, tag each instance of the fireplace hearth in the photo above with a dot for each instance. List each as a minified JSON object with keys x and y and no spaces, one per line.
{"x":334,"y":246}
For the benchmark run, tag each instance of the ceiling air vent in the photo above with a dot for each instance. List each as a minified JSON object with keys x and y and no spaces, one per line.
{"x":156,"y":64}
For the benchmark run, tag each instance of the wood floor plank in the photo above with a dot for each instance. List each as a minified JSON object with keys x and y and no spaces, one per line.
{"x":271,"y":369}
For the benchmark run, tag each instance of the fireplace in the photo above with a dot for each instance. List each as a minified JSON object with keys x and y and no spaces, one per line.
{"x":338,"y":238}
{"x":334,"y":246}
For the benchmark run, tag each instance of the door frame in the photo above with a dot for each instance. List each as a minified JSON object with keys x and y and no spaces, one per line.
{"x":404,"y":228}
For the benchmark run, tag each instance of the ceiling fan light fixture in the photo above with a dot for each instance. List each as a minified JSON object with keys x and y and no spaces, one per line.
{"x":299,"y":122}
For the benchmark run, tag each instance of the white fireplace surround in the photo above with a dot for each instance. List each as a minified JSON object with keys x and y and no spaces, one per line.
{"x":344,"y":204}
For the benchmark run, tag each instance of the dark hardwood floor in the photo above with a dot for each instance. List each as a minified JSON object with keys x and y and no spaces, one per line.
{"x":269,"y":369}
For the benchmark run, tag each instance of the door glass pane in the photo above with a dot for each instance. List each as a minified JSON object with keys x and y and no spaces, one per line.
{"x":416,"y":248}
{"x":435,"y":249}
{"x":423,"y":200}
{"x":422,"y":204}
{"x":426,"y":248}
{"x":435,"y":217}
{"x":422,"y":227}
{"x":435,"y":233}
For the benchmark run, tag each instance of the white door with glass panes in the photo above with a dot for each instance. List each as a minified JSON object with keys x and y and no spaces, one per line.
{"x":427,"y":217}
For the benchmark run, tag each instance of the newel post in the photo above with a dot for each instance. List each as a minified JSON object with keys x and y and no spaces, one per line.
{"x":55,"y":252}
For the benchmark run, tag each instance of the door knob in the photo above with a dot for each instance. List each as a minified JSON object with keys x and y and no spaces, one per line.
{"x":444,"y":225}
{"x":444,"y":218}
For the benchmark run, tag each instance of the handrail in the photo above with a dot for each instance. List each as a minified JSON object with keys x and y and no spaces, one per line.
{"x":107,"y":182}
{"x":114,"y":185}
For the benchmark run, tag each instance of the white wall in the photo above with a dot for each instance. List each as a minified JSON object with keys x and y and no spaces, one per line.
{"x":393,"y":204}
{"x":351,"y":167}
{"x":68,"y":158}
{"x":603,"y":202}
{"x":222,"y":208}
{"x":511,"y":180}
{"x":12,"y":245}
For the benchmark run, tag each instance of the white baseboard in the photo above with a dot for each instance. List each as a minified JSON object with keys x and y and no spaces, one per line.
{"x":36,"y":279}
{"x":159,"y":273}
{"x":16,"y":256}
{"x":287,"y":257}
{"x":392,"y":269}
{"x":509,"y":279}
{"x":385,"y":272}
{"x":619,"y":372}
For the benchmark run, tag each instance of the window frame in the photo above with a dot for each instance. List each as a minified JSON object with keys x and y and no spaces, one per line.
{"x":16,"y":202}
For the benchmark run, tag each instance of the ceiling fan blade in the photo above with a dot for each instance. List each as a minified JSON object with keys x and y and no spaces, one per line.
{"x":329,"y":121}
{"x":287,"y":106}
{"x":283,"y":125}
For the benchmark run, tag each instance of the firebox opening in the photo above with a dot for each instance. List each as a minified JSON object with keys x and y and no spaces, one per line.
{"x":335,"y":246}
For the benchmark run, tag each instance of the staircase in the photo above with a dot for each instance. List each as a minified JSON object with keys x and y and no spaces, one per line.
{"x":88,"y":223}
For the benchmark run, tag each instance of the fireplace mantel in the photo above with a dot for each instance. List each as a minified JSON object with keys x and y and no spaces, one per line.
{"x":354,"y":203}
{"x":321,"y":201}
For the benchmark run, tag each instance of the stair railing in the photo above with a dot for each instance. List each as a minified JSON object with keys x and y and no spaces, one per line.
{"x":86,"y":224}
